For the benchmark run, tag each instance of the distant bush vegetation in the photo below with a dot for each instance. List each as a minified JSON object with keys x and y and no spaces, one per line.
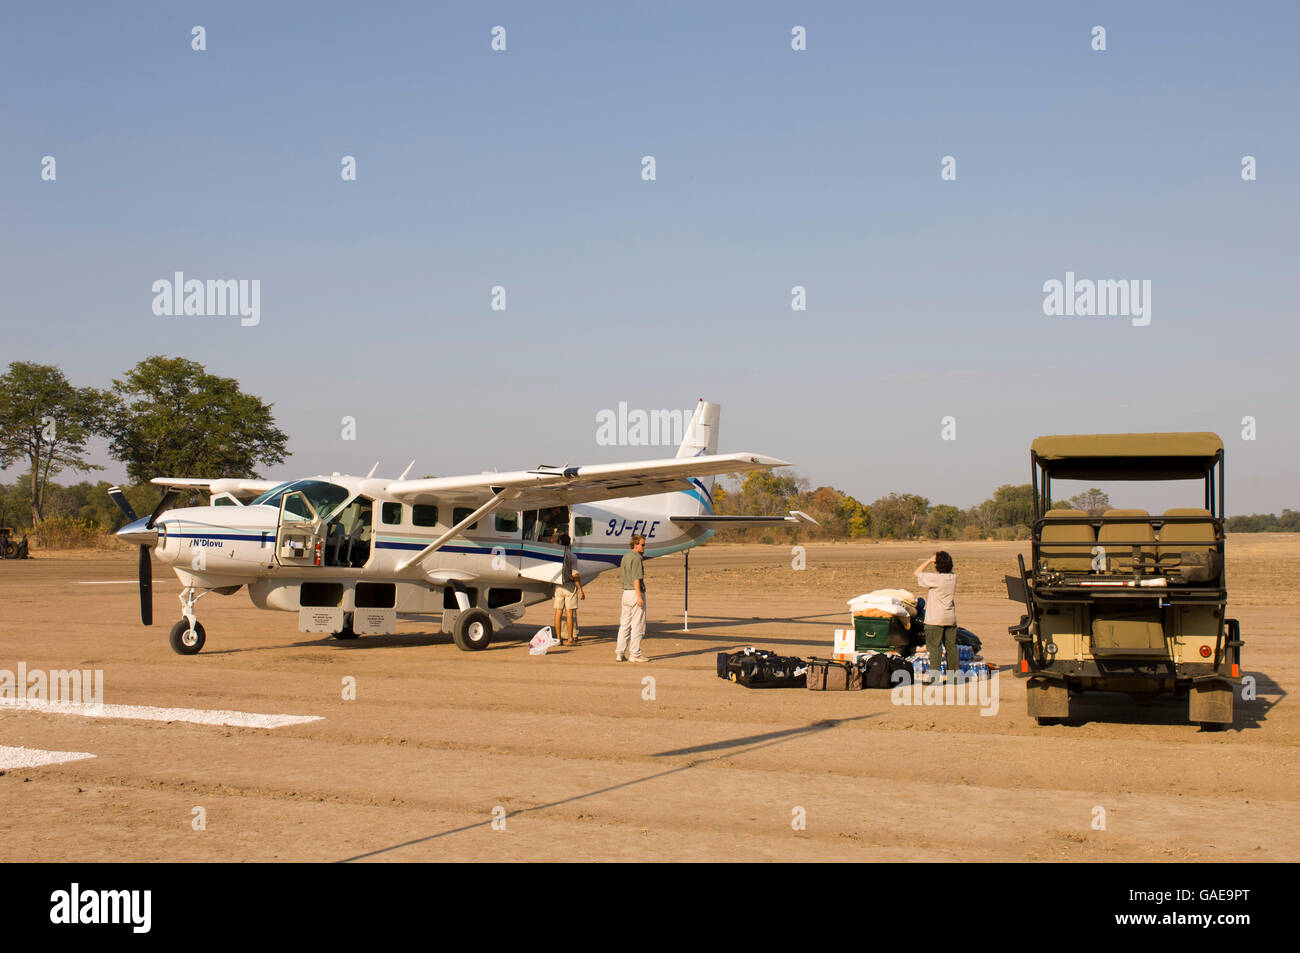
{"x":1288,"y":522}
{"x":82,"y":515}
{"x":1007,"y":514}
{"x":71,"y":532}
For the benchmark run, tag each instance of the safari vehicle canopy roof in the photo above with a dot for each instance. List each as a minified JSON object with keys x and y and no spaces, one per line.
{"x":1128,"y":456}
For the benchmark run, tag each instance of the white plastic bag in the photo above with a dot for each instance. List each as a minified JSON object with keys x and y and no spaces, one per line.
{"x":542,"y":641}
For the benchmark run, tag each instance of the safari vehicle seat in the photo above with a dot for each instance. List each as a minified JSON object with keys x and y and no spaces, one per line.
{"x":1057,"y":540}
{"x":1185,"y":537}
{"x":1111,"y":536}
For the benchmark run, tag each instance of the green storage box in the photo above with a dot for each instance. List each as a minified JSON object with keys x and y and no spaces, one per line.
{"x":872,"y":635}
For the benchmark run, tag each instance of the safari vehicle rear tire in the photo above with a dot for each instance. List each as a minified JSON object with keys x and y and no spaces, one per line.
{"x":348,"y":632}
{"x":1210,"y":703}
{"x":1049,"y":700}
{"x":181,"y":641}
{"x":473,"y":630}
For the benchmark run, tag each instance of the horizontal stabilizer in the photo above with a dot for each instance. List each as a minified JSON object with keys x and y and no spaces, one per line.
{"x":796,"y":516}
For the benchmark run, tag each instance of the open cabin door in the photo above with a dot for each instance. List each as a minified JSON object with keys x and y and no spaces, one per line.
{"x":541,"y":552}
{"x":348,"y":536}
{"x":300,"y":533}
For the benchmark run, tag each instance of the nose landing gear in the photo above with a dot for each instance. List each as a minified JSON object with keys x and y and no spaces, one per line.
{"x":187,"y":635}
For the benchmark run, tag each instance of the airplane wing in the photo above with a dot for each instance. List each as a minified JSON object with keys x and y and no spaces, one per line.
{"x":565,"y":486}
{"x":236,"y":487}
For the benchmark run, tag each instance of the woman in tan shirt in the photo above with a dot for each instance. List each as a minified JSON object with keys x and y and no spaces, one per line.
{"x":940,"y":613}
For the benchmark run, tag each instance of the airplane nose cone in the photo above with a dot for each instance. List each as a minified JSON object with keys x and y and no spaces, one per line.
{"x":138,"y":533}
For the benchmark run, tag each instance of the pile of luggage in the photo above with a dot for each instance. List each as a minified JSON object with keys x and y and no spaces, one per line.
{"x":762,"y":668}
{"x":885,"y":647}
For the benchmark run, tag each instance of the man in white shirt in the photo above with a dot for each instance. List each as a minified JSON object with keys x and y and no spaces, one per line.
{"x":940,"y":612}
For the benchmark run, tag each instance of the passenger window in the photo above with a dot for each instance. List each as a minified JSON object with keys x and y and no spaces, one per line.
{"x":460,"y":513}
{"x":422,"y":515}
{"x":582,"y":526}
{"x":392,"y":514}
{"x":508,"y":523}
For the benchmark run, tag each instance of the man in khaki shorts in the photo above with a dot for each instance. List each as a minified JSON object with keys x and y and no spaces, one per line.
{"x":567,"y":592}
{"x":631,"y":625}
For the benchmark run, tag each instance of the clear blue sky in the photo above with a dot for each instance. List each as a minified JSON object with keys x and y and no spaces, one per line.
{"x":775,"y":168}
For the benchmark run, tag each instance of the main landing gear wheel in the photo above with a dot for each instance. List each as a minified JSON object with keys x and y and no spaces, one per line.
{"x":473,"y":630}
{"x":185,"y":642}
{"x":347,"y":633}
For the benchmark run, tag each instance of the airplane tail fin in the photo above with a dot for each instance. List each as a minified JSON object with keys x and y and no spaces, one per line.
{"x":701,"y":438}
{"x":702,"y":431}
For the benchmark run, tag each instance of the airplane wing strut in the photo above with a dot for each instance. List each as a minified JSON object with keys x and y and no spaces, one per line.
{"x":502,"y":496}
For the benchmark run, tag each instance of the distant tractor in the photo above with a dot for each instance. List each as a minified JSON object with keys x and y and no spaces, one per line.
{"x":10,"y":548}
{"x":1127,"y":602}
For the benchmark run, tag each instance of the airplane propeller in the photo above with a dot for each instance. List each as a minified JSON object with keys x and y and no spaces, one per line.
{"x":142,"y":531}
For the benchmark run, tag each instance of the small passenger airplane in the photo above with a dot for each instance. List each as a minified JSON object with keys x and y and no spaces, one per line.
{"x":351,"y":554}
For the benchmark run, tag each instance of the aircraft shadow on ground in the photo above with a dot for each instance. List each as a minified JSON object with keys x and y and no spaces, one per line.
{"x":725,"y":621}
{"x":754,"y":742}
{"x":523,"y":633}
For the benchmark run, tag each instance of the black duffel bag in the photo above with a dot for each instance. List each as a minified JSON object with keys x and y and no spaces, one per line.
{"x":760,"y":668}
{"x":881,"y":671}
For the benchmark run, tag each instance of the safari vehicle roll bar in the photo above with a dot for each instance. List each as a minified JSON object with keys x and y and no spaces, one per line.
{"x":1134,"y":456}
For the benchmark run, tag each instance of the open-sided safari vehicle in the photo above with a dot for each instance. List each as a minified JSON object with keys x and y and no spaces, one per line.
{"x":1127,"y":601}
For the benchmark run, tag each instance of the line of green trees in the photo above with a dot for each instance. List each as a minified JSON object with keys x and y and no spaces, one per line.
{"x":1288,"y":522}
{"x":1007,"y":514}
{"x":165,"y":415}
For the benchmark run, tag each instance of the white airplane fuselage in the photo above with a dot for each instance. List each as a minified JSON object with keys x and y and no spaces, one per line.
{"x":504,"y":562}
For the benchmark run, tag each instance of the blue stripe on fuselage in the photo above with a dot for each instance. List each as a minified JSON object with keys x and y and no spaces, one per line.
{"x":256,"y":539}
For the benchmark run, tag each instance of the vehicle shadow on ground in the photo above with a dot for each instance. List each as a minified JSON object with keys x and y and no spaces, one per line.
{"x":1118,"y":709}
{"x":754,"y":743}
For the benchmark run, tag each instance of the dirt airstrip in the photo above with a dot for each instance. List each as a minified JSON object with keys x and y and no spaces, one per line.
{"x":583,"y":764}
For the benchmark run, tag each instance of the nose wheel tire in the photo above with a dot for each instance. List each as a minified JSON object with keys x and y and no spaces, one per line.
{"x":185,"y":642}
{"x":473,"y":630}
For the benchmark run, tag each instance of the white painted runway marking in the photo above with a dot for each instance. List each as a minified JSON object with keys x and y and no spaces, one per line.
{"x":194,"y":716}
{"x":36,"y":757}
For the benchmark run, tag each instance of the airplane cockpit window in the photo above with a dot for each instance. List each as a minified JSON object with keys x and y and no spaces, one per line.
{"x":272,"y":496}
{"x":324,"y":497}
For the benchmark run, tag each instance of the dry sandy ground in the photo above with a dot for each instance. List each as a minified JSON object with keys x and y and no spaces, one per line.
{"x":585,"y":767}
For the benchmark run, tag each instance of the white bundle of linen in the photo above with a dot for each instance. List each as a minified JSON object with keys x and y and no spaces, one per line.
{"x":895,"y":602}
